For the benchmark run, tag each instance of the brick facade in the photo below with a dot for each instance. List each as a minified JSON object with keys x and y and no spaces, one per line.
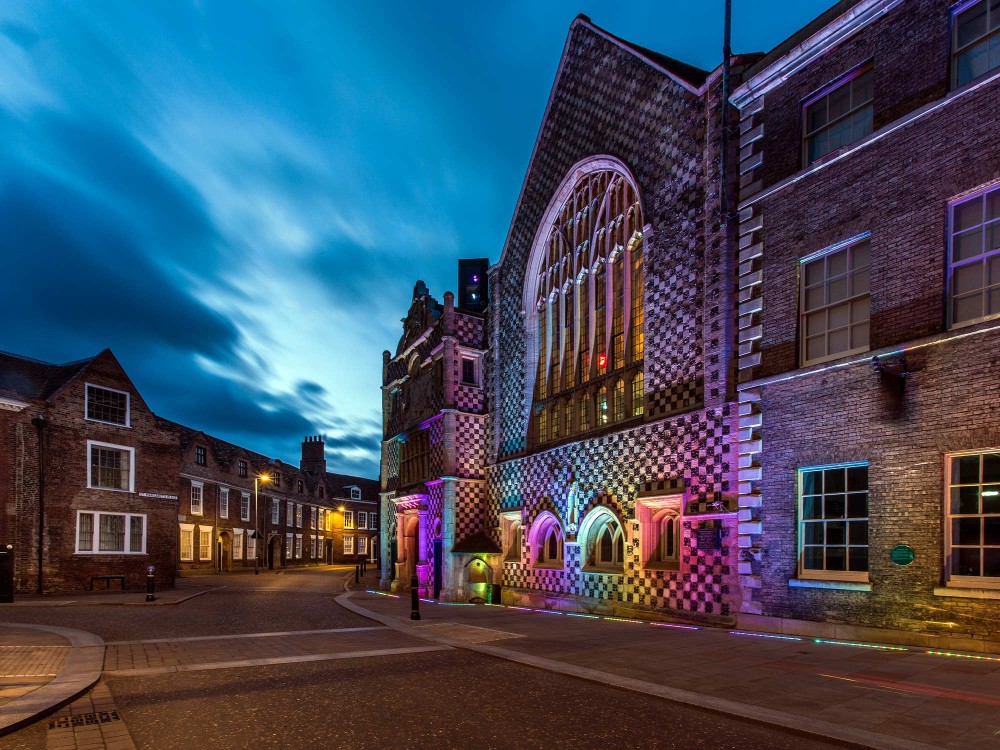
{"x":920,"y":390}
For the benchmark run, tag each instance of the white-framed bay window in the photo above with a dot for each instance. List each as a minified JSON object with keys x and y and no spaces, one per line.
{"x":102,"y":533}
{"x":972,"y":523}
{"x":110,"y":467}
{"x":833,"y":522}
{"x":834,"y":305}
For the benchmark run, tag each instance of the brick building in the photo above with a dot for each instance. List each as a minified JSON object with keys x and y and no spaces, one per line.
{"x":432,"y":451}
{"x":289,"y":516}
{"x":869,"y":321}
{"x":88,"y":476}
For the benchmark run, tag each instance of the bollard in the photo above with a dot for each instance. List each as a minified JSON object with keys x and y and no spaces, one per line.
{"x":150,"y":584}
{"x":414,"y":599}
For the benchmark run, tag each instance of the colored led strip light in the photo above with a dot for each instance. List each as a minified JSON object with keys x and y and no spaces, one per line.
{"x":671,"y":625}
{"x":860,"y":645}
{"x":381,"y":593}
{"x":766,"y":635}
{"x":964,"y":656}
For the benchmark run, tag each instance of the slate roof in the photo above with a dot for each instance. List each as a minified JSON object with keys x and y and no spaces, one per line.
{"x":33,"y":379}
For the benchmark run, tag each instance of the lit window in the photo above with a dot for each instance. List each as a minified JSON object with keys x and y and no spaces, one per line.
{"x":602,"y":406}
{"x":362,"y":545}
{"x":833,"y":530}
{"x":289,"y":546}
{"x":585,"y":412}
{"x":298,"y":546}
{"x":637,"y":394}
{"x":974,"y":268}
{"x":348,"y":545}
{"x":975,"y":41}
{"x":187,"y":542}
{"x":103,"y":533}
{"x":110,"y":467}
{"x":348,"y":519}
{"x":237,"y":544}
{"x":204,"y":543}
{"x":835,"y":303}
{"x":579,"y":275}
{"x":839,"y":117}
{"x":251,"y":547}
{"x":199,"y":455}
{"x":245,"y":506}
{"x":224,"y":502}
{"x":107,"y":405}
{"x":972,"y":531}
{"x":197,"y":498}
{"x":619,"y":400}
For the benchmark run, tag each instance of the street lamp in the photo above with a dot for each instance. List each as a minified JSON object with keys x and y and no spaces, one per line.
{"x":258,"y":478}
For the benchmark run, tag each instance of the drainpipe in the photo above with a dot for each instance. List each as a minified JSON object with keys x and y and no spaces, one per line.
{"x":723,"y":165}
{"x":39,"y":423}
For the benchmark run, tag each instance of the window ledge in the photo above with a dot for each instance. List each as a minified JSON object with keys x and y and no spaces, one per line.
{"x":604,"y":571}
{"x":670,"y":566}
{"x":967,"y":593}
{"x":811,"y":583}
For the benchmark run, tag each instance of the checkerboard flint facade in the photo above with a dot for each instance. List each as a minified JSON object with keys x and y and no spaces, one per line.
{"x":654,"y":117}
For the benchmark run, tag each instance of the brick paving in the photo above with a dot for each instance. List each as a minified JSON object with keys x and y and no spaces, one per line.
{"x":23,"y":667}
{"x":88,"y":723}
{"x":891,"y":697}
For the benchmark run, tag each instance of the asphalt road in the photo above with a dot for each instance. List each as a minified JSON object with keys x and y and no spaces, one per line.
{"x":443,"y":699}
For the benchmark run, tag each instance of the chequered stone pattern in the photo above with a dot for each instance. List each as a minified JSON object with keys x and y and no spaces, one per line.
{"x":695,"y":451}
{"x":656,"y":127}
{"x":470,"y":330}
{"x":469,"y":458}
{"x":470,"y":508}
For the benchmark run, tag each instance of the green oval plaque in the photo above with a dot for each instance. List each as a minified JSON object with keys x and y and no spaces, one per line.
{"x":902,"y":554}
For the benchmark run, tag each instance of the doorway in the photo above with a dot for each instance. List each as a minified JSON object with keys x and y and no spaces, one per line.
{"x":273,"y":552}
{"x":224,"y":552}
{"x":438,"y":567}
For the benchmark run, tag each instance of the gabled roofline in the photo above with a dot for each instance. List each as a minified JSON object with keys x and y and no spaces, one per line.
{"x":582,"y":20}
{"x":805,"y":52}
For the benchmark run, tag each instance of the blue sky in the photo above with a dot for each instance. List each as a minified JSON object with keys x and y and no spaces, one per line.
{"x":237,"y":197}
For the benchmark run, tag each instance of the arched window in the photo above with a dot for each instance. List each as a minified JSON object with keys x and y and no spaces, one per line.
{"x":605,"y":541}
{"x":515,"y":534}
{"x":547,"y":542}
{"x":585,"y":284}
{"x":585,"y":413}
{"x":619,"y":400}
{"x":637,"y":406}
{"x":669,"y":541}
{"x":602,"y":406}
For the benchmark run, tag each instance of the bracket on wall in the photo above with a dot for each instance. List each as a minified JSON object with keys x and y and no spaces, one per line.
{"x":892,"y":373}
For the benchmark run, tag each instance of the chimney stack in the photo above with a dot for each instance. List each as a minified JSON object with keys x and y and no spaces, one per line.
{"x":313,"y":455}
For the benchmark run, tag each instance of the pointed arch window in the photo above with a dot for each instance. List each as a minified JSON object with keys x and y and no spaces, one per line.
{"x":546,"y":542}
{"x":604,"y":542}
{"x":585,"y":285}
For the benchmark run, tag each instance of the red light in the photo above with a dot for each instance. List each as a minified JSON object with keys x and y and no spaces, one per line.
{"x":602,"y":360}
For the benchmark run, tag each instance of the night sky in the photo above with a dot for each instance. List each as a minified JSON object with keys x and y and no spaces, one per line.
{"x":237,"y":197}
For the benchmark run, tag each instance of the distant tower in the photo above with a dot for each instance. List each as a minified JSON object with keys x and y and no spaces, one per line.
{"x":473,"y":284}
{"x":313,"y":455}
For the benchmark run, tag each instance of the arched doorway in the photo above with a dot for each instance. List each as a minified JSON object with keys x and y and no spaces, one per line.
{"x":409,"y":550}
{"x":478,"y":575}
{"x":224,"y":552}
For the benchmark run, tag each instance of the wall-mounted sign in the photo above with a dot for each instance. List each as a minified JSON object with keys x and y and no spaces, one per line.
{"x":708,"y":538}
{"x":901,"y":554}
{"x":158,"y":496}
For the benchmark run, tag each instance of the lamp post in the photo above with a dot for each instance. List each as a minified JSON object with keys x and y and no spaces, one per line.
{"x":258,"y":478}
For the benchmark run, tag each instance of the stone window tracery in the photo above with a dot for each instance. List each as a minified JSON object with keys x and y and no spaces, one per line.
{"x":585,"y":289}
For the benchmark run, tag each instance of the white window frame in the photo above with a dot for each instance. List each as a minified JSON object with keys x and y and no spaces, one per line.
{"x":846,"y":80}
{"x":202,"y":531}
{"x":244,"y":506}
{"x":313,"y":516}
{"x":91,"y":444}
{"x":954,"y":53}
{"x":96,"y":533}
{"x":289,"y":546}
{"x":962,"y":581}
{"x":831,"y":575}
{"x":86,"y":405}
{"x":251,"y":546}
{"x":362,"y":520}
{"x":223,"y":502}
{"x":238,"y":552}
{"x":823,"y":255}
{"x":275,"y":512}
{"x":349,"y":545}
{"x":348,"y":519}
{"x":361,"y":548}
{"x":474,"y":383}
{"x":373,"y":521}
{"x":200,"y":487}
{"x":298,"y":516}
{"x":298,"y":546}
{"x":187,"y":529}
{"x":355,"y":493}
{"x":290,"y":514}
{"x":983,"y":258}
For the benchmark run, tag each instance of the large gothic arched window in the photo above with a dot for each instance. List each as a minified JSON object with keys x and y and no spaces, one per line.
{"x":584,"y":300}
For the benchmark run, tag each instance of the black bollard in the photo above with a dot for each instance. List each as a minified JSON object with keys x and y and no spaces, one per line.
{"x":150,"y":583}
{"x":414,"y":599}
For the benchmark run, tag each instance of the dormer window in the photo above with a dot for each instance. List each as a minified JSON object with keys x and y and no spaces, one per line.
{"x":242,"y":468}
{"x":108,"y":405}
{"x":199,"y":455}
{"x":355,"y":493}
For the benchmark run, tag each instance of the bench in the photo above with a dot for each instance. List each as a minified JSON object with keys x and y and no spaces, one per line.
{"x":107,"y":581}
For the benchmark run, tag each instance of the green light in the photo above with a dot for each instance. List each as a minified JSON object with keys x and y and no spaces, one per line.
{"x":860,"y":645}
{"x":964,"y":656}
